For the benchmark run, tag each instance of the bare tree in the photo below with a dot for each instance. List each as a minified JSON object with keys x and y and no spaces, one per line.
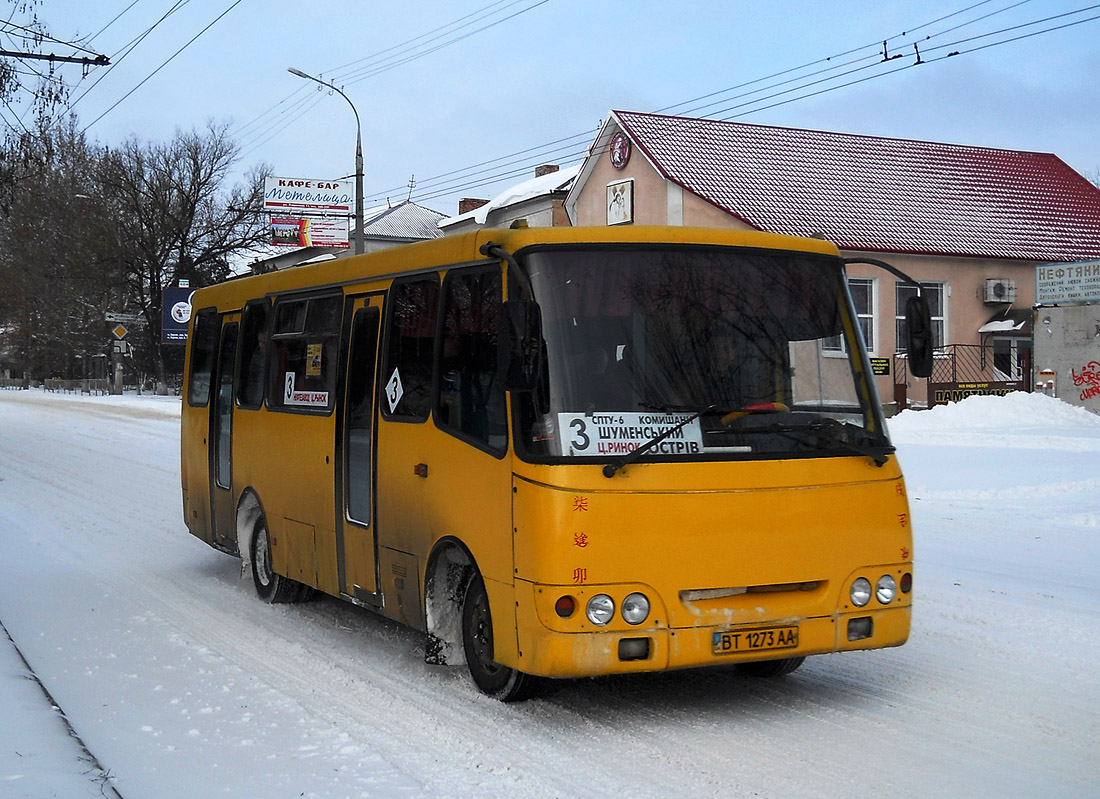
{"x":55,"y":258}
{"x":176,"y":219}
{"x":38,"y":80}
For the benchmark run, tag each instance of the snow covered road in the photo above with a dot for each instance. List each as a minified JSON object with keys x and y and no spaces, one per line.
{"x":182,"y":683}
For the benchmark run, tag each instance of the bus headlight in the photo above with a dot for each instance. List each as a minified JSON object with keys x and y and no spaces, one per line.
{"x":861,"y":591}
{"x":886,"y":589}
{"x":635,"y":609}
{"x":600,"y":609}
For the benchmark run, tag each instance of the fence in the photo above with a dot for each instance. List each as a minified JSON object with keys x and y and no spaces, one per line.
{"x":960,"y":371}
{"x":95,"y":386}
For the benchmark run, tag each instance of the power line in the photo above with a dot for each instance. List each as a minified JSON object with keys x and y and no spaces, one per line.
{"x":404,"y":46}
{"x":761,"y":103}
{"x":361,"y":75}
{"x":37,"y":35}
{"x":479,"y":15}
{"x":127,"y":48}
{"x":118,"y":16}
{"x":163,"y":65}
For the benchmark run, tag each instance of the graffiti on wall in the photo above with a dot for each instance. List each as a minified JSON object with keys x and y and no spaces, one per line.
{"x":1089,"y":378}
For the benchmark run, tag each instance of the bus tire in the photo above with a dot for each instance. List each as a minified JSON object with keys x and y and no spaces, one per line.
{"x":491,"y":678}
{"x":770,"y":668}
{"x":273,"y":588}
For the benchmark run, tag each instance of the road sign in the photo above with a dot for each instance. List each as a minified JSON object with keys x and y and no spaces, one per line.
{"x":124,"y":318}
{"x":120,"y":332}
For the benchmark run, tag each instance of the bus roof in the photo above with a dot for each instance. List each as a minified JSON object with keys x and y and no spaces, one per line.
{"x":466,"y":248}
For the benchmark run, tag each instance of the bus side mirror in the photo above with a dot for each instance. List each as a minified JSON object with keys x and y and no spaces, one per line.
{"x":918,"y":321}
{"x":519,"y":345}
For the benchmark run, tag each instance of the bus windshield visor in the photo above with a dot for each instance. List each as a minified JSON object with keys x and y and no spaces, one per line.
{"x":746,"y":353}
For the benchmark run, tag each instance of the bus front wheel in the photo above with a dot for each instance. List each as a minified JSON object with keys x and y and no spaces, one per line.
{"x":272,"y":588}
{"x":500,"y":682}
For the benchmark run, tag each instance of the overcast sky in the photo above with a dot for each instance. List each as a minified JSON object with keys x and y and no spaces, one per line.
{"x":444,"y":88}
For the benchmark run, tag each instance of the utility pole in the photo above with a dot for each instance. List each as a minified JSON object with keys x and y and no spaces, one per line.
{"x":358,"y":157}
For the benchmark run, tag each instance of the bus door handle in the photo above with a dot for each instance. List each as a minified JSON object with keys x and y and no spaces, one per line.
{"x":421,"y":470}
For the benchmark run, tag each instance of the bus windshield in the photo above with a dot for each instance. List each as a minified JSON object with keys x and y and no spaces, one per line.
{"x":746,"y":353}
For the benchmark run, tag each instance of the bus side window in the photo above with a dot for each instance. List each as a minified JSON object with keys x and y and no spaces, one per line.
{"x":204,"y":340}
{"x":302,"y":362}
{"x":406,"y":375}
{"x":250,"y":381}
{"x":471,"y":396}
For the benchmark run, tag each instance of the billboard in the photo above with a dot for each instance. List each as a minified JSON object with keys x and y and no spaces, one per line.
{"x":294,"y":196}
{"x":288,"y":231}
{"x":175,"y":314}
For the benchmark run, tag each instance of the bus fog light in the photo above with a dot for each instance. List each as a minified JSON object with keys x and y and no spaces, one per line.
{"x":861,"y":591}
{"x":600,"y":609}
{"x":634,"y":649}
{"x":886,"y":589}
{"x":858,"y":629}
{"x":906,"y":583}
{"x":635,"y":609}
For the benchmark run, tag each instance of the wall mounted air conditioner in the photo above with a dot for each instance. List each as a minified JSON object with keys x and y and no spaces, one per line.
{"x":999,"y":289}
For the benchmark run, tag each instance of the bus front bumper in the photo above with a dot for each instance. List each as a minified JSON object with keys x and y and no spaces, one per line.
{"x":550,"y":653}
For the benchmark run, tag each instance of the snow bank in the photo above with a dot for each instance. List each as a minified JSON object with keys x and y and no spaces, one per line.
{"x":1018,"y":410}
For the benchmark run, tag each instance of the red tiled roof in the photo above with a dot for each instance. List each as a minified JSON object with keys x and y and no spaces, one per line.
{"x":878,"y":194}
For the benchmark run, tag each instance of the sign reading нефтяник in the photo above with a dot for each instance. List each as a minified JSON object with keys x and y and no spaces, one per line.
{"x":1076,"y":282}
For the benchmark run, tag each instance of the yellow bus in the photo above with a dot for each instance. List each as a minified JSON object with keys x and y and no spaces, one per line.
{"x":560,"y":452}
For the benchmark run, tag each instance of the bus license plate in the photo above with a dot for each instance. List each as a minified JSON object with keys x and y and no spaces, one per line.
{"x":729,"y":642}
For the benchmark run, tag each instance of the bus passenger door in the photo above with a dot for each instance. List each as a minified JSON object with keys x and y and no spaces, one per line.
{"x":223,"y":509}
{"x":357,"y":542}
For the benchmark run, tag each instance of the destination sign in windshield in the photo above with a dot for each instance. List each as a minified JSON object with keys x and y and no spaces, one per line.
{"x":614,"y":434}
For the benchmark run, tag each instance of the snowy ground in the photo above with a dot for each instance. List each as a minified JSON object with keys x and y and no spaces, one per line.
{"x":181,"y":683}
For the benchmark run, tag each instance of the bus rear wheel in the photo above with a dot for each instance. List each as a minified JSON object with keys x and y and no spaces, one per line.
{"x":770,"y":668}
{"x":272,"y":588}
{"x":499,"y":682}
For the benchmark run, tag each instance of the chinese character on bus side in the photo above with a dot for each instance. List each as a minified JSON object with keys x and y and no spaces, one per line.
{"x":580,"y":540}
{"x":580,"y":575}
{"x":580,"y":503}
{"x":903,"y":519}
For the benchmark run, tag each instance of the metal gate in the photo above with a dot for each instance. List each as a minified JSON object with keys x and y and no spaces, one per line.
{"x":960,"y":371}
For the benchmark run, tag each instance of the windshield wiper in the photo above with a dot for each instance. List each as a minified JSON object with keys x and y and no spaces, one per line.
{"x":835,"y":433}
{"x":829,"y":431}
{"x":610,"y":469}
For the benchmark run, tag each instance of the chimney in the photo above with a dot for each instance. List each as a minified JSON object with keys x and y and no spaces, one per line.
{"x":467,"y":204}
{"x":545,"y":169}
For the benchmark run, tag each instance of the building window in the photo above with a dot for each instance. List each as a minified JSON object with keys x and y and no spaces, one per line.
{"x":936,"y":294}
{"x":862,"y":290}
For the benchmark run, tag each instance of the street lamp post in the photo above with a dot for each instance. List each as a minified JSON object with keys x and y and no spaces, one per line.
{"x":358,"y":157}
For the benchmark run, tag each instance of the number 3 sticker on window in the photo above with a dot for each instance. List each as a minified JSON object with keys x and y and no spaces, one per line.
{"x":394,"y":390}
